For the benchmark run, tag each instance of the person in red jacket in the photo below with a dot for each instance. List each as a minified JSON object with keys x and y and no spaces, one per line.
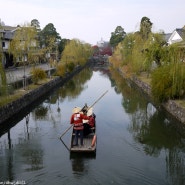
{"x":77,"y":119}
{"x":91,"y":117}
{"x":90,"y":123}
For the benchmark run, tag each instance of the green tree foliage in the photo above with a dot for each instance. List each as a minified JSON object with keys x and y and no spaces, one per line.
{"x":137,"y":58}
{"x":24,"y":43}
{"x":35,"y":23}
{"x":128,"y":46}
{"x":75,"y":53}
{"x":161,"y":84}
{"x":139,"y":51}
{"x":167,"y":83}
{"x":50,"y":40}
{"x":131,"y":52}
{"x":168,"y":80}
{"x":145,"y":27}
{"x":155,"y":51}
{"x":48,"y":32}
{"x":117,"y":36}
{"x":62,"y":44}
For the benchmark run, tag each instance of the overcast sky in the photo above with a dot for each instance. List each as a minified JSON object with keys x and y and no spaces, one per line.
{"x":91,"y":20}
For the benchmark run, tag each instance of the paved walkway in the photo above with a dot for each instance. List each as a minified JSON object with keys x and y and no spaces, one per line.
{"x":16,"y":74}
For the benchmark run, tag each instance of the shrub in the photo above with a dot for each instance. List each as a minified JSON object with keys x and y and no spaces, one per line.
{"x":37,"y":74}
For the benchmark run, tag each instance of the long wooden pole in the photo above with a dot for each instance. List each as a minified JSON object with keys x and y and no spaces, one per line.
{"x":98,"y":99}
{"x":87,"y":109}
{"x":66,"y":131}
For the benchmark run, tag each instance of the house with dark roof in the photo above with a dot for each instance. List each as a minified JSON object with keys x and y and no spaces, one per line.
{"x":177,"y":36}
{"x":6,"y":34}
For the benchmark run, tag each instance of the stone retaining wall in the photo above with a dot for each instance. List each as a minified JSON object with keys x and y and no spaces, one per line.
{"x":177,"y":111}
{"x":144,"y":86}
{"x":14,"y":107}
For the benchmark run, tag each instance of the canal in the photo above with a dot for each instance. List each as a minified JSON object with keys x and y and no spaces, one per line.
{"x":136,"y":143}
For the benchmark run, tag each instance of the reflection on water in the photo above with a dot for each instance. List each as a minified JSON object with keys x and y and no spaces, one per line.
{"x":154,"y":131}
{"x":136,"y":143}
{"x":78,"y":162}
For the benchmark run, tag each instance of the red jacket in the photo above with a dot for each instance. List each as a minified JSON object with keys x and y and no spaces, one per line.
{"x":77,"y":120}
{"x":91,"y":121}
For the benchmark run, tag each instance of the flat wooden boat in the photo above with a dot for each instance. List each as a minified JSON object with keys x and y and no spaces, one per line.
{"x":89,"y":143}
{"x":90,"y":140}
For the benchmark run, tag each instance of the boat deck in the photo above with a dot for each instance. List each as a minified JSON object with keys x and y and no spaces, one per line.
{"x":86,"y":146}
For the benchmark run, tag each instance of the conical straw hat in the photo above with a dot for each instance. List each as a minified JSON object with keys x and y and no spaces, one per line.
{"x":90,"y":112}
{"x":76,"y":110}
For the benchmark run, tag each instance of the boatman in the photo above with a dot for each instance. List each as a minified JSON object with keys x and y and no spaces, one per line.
{"x":77,"y":119}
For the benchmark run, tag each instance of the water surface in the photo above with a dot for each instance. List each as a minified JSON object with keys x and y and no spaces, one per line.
{"x":136,"y":143}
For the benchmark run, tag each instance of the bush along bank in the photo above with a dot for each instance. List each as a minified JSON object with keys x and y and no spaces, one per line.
{"x":173,"y":108}
{"x":13,"y":108}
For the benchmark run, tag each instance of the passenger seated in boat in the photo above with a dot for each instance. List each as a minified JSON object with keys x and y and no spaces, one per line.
{"x":91,"y":117}
{"x":85,"y":109}
{"x":77,"y":119}
{"x":90,"y":123}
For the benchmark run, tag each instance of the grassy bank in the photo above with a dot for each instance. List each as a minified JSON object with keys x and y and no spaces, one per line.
{"x":20,"y":92}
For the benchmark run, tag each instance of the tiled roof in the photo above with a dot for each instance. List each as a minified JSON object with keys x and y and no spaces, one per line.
{"x":8,"y":35}
{"x":8,"y":28}
{"x":8,"y":32}
{"x":167,"y":36}
{"x":181,"y":32}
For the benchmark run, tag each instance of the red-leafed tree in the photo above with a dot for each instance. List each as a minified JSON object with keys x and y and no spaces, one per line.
{"x":96,"y":50}
{"x":106,"y":51}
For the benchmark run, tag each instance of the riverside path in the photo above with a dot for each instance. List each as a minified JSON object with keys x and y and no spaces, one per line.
{"x":17,"y":74}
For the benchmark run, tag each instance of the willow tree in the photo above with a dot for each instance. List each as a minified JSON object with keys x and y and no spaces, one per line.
{"x":177,"y":71}
{"x":23,"y":47}
{"x":75,"y":53}
{"x":135,"y":45}
{"x":128,"y":46}
{"x":23,"y":44}
{"x":129,"y":53}
{"x":154,"y":51}
{"x":168,"y":80}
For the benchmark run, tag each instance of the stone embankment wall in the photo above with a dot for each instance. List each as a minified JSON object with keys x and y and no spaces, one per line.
{"x":11,"y":109}
{"x":170,"y":106}
{"x":144,"y":86}
{"x":177,"y":111}
{"x":14,"y":107}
